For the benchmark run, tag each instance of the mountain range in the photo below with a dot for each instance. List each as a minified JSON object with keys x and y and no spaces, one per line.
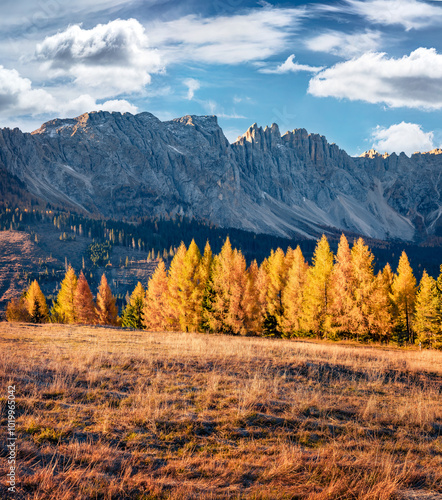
{"x":296,"y":184}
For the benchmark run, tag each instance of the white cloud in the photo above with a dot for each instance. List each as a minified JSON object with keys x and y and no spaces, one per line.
{"x":413,"y":81}
{"x":289,"y":66}
{"x":114,"y":58}
{"x":408,"y":13}
{"x":120,"y":105}
{"x":235,"y":39}
{"x":345,"y":44}
{"x":18,"y":97}
{"x":192,"y":86}
{"x":86,"y":103}
{"x":25,"y":13}
{"x":402,"y":137}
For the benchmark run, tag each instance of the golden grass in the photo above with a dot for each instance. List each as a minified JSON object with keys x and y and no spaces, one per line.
{"x":107,"y":413}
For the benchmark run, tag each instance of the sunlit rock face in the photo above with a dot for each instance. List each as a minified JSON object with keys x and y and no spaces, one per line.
{"x":123,"y":165}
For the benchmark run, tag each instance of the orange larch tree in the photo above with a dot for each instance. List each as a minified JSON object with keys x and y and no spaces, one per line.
{"x":85,"y":309}
{"x":107,"y":311}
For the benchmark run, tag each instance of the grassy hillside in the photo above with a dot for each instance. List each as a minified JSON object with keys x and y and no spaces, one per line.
{"x":106,"y":413}
{"x":42,"y":255}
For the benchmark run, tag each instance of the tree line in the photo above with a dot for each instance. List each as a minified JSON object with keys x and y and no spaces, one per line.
{"x":149,"y":234}
{"x":337,"y":296}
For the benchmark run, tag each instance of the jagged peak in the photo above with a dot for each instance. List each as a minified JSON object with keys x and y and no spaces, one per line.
{"x":435,"y":151}
{"x":255,"y":131}
{"x":273,"y":128}
{"x":82,"y":120}
{"x":372,"y":153}
{"x":197,"y":120}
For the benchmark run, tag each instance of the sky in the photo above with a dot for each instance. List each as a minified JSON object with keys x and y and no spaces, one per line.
{"x":364,"y":73}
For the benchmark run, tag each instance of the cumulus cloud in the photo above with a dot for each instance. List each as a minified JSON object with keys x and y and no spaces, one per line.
{"x":290,"y":66}
{"x":345,"y":44}
{"x":85,"y":103}
{"x":114,"y":57}
{"x":19,"y":98}
{"x":192,"y":86}
{"x":235,"y":39}
{"x":402,"y":137}
{"x":413,"y":81}
{"x":120,"y":105}
{"x":17,"y":95}
{"x":408,"y":13}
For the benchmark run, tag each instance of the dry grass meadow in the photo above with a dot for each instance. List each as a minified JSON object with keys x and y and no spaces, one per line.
{"x":113,"y":414}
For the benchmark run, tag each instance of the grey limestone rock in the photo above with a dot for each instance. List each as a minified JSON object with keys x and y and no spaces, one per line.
{"x":123,"y":165}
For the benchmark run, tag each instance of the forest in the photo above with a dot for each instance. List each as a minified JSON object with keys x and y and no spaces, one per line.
{"x":159,"y":235}
{"x":337,"y":296}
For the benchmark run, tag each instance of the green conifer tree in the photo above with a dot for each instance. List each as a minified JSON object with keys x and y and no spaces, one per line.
{"x":133,"y":313}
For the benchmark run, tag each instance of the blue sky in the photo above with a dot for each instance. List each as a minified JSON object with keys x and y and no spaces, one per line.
{"x":363,"y":73}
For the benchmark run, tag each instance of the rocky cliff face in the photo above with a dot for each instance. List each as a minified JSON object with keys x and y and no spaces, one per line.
{"x":121,"y":165}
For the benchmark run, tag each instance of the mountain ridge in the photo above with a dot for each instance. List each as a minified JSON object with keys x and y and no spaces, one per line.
{"x":121,"y":165}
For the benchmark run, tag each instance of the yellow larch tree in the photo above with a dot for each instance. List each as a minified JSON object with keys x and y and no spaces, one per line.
{"x":342,"y":287}
{"x":155,"y":303}
{"x":174,"y":306}
{"x":189,"y":303}
{"x":253,"y":317}
{"x":427,"y":319}
{"x":202,"y":277}
{"x":404,"y":296}
{"x":275,"y":268}
{"x":292,"y":294}
{"x":381,"y":324}
{"x":36,"y":304}
{"x":363,"y":275}
{"x":63,"y":311}
{"x":316,"y":295}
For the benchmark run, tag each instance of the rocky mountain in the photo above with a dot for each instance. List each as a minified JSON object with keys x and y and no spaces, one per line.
{"x":122,"y":165}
